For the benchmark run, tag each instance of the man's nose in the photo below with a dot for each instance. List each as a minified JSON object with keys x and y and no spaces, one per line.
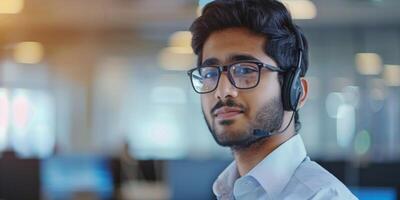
{"x":225,"y":88}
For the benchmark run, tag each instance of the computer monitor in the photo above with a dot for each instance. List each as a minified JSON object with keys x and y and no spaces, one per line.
{"x":375,"y":193}
{"x":65,"y":177}
{"x":193,"y":179}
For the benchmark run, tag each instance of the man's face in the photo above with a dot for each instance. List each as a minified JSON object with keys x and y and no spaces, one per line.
{"x":233,"y":114}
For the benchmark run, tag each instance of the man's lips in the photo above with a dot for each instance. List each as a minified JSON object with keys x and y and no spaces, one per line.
{"x":225,"y":113}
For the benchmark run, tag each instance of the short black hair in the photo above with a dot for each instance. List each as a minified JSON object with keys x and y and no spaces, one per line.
{"x":268,"y":18}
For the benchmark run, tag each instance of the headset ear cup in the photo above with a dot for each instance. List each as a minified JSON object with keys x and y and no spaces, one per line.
{"x":291,"y":90}
{"x":296,"y":93}
{"x":286,"y":90}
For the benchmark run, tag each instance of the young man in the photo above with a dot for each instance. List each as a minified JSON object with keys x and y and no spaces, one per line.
{"x":252,"y":60}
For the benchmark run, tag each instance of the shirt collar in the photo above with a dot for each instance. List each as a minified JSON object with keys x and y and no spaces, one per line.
{"x":223,"y":186}
{"x":273,"y":172}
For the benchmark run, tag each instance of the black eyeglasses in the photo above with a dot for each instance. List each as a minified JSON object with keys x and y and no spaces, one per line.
{"x":242,"y":75}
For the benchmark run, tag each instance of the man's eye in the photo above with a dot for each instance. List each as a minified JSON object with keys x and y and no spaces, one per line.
{"x":209,"y":74}
{"x":244,"y":70}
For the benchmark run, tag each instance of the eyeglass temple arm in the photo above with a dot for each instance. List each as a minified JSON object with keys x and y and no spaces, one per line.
{"x":273,"y":68}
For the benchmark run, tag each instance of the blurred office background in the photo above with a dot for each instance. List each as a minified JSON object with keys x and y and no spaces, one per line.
{"x":95,"y":102}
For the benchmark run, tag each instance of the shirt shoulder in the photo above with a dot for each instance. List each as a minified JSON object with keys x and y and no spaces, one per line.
{"x":311,"y":181}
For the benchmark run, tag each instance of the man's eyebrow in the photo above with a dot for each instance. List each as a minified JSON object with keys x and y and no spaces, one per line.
{"x":211,"y":61}
{"x":231,"y":58}
{"x":241,"y":57}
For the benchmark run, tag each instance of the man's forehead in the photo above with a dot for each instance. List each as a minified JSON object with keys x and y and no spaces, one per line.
{"x":233,"y":44}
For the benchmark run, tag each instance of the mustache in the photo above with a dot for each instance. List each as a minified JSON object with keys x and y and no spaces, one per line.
{"x":227,"y":103}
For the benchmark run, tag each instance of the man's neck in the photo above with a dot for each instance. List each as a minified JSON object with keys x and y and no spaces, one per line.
{"x":248,"y":158}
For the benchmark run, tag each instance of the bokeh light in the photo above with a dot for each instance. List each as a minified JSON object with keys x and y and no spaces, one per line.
{"x":362,"y":142}
{"x":11,"y":6}
{"x":28,"y":52}
{"x":333,"y":101}
{"x":4,"y":118}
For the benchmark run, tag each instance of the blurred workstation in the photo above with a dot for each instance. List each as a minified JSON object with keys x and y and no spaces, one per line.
{"x":95,"y":102}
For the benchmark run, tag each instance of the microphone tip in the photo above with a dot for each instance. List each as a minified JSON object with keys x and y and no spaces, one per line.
{"x":261,"y":133}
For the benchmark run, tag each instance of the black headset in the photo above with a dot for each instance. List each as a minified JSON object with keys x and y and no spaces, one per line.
{"x":292,"y":88}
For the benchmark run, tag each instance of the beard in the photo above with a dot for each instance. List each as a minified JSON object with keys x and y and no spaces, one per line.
{"x":268,"y":118}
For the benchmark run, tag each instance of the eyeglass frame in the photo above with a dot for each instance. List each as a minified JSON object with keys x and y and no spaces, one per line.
{"x":226,"y":68}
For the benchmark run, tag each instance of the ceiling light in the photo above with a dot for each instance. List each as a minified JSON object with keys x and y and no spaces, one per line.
{"x":28,"y":52}
{"x":11,"y":6}
{"x":181,"y":39}
{"x":177,"y":58}
{"x":391,"y":75}
{"x":368,"y":63}
{"x":301,"y":9}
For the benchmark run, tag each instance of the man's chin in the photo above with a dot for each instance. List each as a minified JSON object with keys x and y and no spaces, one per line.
{"x":230,"y":138}
{"x":235,"y":140}
{"x":236,"y":144}
{"x":229,"y":133}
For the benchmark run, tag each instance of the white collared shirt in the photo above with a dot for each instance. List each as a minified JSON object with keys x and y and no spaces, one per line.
{"x":286,"y":173}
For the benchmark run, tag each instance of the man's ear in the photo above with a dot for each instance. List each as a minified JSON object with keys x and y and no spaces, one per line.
{"x":304,"y":92}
